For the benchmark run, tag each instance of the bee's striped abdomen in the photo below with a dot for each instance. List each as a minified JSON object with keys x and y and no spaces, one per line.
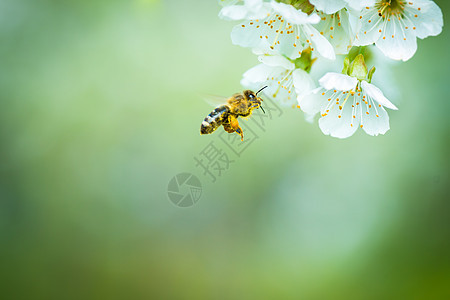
{"x":214,"y":119}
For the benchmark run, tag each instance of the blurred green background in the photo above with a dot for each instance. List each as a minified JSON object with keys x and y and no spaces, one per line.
{"x":101,"y":106}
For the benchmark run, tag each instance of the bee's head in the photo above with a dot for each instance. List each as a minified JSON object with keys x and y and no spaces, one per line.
{"x":253,"y":97}
{"x":250,"y":95}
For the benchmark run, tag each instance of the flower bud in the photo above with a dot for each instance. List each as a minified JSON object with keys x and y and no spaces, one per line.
{"x":358,"y":68}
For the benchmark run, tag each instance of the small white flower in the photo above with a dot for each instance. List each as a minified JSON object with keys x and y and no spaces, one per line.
{"x":338,"y":21}
{"x":346,"y":103}
{"x":243,"y":9}
{"x":393,"y":26}
{"x":336,"y":28}
{"x":332,"y":6}
{"x":285,"y":30}
{"x":283,"y":79}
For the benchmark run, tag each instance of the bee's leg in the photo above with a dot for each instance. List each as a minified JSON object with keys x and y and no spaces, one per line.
{"x":254,"y":106}
{"x":239,"y":131}
{"x":227,"y":126}
{"x":235,"y":125}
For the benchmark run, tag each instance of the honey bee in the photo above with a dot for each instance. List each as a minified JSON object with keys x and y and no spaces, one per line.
{"x":240,"y":104}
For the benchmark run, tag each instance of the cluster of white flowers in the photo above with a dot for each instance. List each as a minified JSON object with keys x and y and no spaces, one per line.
{"x":291,"y":37}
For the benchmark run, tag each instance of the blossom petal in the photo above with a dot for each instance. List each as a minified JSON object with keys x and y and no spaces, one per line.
{"x":233,"y":12}
{"x":303,"y":82}
{"x":244,"y":37}
{"x":276,"y":61}
{"x":283,"y":43}
{"x":339,"y":34}
{"x":369,"y":28}
{"x":270,"y":36}
{"x":252,"y":9}
{"x":340,"y":82}
{"x":342,"y":127}
{"x":353,"y":19}
{"x":275,"y":33}
{"x":376,"y":121}
{"x":328,"y":6}
{"x":319,"y":42}
{"x":294,"y":16}
{"x":249,"y":84}
{"x":311,"y":103}
{"x":375,"y":93}
{"x":359,"y":4}
{"x":427,"y":18}
{"x":251,"y":4}
{"x":399,"y":40}
{"x":279,"y":81}
{"x":260,"y":73}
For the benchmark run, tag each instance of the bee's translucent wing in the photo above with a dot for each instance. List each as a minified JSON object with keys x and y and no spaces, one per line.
{"x":214,"y":100}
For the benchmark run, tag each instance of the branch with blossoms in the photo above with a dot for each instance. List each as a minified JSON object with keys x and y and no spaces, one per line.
{"x":299,"y":43}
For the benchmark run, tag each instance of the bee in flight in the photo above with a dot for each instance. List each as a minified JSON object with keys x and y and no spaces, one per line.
{"x":240,"y":104}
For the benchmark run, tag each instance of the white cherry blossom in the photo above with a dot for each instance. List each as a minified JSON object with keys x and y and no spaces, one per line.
{"x":285,"y":30}
{"x":289,"y":36}
{"x":346,"y":103}
{"x":394,"y":25}
{"x":338,"y":19}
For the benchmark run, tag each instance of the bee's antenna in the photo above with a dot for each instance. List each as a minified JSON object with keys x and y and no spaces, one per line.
{"x":262,"y":109}
{"x":260,"y":90}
